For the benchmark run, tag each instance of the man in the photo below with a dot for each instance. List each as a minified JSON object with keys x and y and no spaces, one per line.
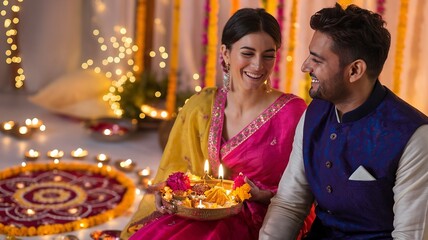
{"x":360,"y":153}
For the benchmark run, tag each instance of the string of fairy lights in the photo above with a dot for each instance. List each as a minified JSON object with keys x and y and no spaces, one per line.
{"x":10,"y":23}
{"x":121,"y":66}
{"x":121,"y":50}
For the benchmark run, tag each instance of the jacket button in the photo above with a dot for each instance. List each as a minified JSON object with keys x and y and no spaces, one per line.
{"x":333,"y":136}
{"x":329,"y":212}
{"x":328,"y":164}
{"x":329,"y":189}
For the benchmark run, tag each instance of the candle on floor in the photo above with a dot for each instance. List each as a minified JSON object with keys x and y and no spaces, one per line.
{"x":79,"y":153}
{"x":55,"y":154}
{"x":31,"y":155}
{"x":23,"y":132}
{"x":34,"y":123}
{"x":144,"y":177}
{"x":30,"y":212}
{"x":126,"y":165}
{"x":102,"y":158}
{"x":8,"y":126}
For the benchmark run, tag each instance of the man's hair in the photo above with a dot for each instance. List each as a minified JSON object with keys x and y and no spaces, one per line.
{"x":357,"y":34}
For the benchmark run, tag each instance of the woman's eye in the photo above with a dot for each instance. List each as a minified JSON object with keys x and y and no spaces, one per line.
{"x":247,"y":54}
{"x":269,"y":56}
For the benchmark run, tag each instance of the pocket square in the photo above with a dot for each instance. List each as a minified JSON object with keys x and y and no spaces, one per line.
{"x":361,"y":174}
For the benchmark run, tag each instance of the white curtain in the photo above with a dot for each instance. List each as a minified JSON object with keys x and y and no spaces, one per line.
{"x":56,"y":37}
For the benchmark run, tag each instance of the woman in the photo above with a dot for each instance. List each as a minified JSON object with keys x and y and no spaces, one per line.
{"x":245,"y":125}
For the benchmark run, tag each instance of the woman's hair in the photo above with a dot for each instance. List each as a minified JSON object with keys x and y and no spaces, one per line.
{"x":357,"y":34}
{"x":250,"y":20}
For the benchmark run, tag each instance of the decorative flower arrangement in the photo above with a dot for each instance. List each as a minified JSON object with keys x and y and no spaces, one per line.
{"x":178,"y":181}
{"x":241,"y":189}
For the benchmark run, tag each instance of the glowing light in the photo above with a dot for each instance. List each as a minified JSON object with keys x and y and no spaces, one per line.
{"x":11,"y":33}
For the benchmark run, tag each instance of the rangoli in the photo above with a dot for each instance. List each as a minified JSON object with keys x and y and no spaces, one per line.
{"x":52,"y":198}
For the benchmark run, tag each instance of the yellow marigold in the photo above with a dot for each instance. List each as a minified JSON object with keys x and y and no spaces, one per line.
{"x":242,"y":193}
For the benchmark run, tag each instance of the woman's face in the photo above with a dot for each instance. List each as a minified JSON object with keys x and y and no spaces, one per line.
{"x":251,"y":60}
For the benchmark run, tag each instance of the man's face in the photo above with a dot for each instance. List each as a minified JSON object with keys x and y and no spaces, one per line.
{"x":323,"y":65}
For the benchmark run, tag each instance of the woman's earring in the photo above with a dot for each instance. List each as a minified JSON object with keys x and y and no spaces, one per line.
{"x":226,"y":78}
{"x":268,"y":86}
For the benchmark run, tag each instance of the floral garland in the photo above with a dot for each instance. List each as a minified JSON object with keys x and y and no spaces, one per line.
{"x":234,"y":6}
{"x":49,"y":229}
{"x":291,"y":47}
{"x":304,"y":86}
{"x":205,"y":22}
{"x":380,"y":8}
{"x":345,"y":3}
{"x":173,"y":71}
{"x":276,"y":70}
{"x":140,"y":27}
{"x":270,"y":6}
{"x":212,"y":44}
{"x":399,"y":49}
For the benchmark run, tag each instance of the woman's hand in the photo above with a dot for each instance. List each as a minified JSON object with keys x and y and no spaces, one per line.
{"x":257,"y":194}
{"x":158,"y":199}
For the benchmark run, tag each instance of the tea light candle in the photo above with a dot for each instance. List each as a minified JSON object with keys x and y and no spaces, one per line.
{"x":33,"y":123}
{"x":143,"y":176}
{"x":126,"y":165}
{"x":31,"y":155}
{"x":8,"y":126}
{"x":107,"y":132}
{"x":109,"y":129}
{"x":200,"y":204}
{"x":30,"y":212}
{"x":79,"y":153}
{"x":55,"y":154}
{"x":102,"y":158}
{"x":23,"y":131}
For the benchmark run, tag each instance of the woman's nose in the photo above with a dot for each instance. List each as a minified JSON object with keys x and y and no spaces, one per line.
{"x":257,"y":63}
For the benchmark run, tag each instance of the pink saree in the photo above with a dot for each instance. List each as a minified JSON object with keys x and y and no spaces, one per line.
{"x":260,"y":151}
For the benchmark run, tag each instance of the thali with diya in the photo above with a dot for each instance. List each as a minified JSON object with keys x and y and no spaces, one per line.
{"x":210,"y":199}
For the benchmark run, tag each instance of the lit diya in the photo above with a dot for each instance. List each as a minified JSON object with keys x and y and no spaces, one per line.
{"x":102,"y":158}
{"x":79,"y":153}
{"x":111,"y":129}
{"x":31,"y":155}
{"x":125,"y":165}
{"x":55,"y":154}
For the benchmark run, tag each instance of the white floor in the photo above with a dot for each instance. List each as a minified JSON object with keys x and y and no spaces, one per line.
{"x":68,"y":134}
